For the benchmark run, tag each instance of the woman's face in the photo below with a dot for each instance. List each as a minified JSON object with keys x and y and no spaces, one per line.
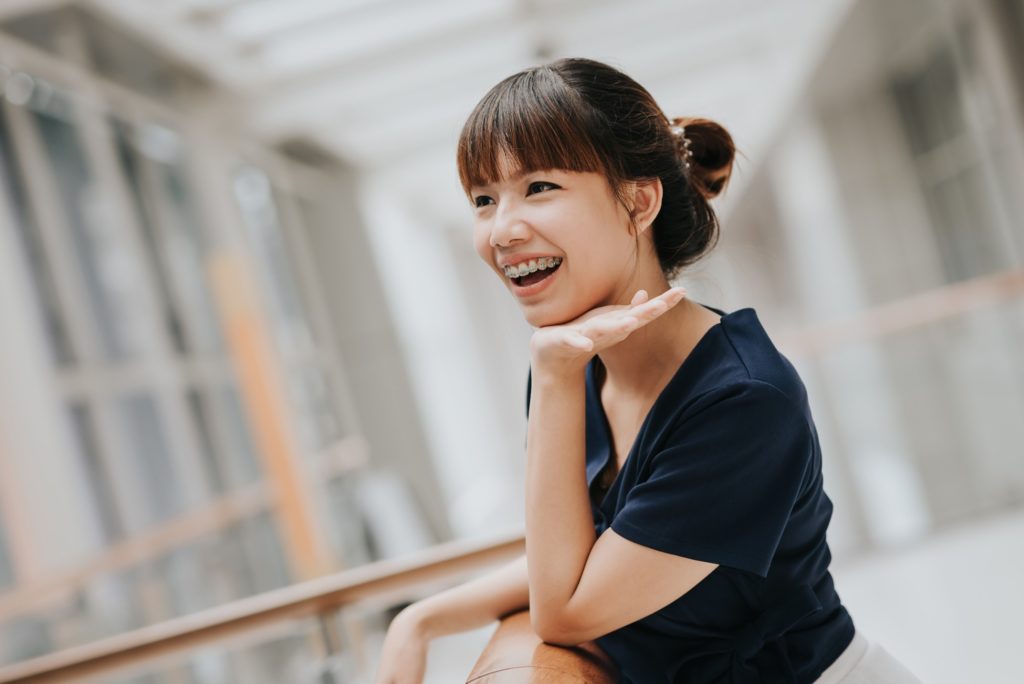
{"x":566,"y":218}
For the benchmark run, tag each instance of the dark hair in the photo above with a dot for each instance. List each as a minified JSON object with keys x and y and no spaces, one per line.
{"x":581,"y":115}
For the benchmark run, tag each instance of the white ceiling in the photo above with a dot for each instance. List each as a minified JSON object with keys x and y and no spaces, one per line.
{"x":386,"y":84}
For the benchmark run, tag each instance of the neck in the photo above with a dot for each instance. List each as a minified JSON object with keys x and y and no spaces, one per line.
{"x":639,"y":366}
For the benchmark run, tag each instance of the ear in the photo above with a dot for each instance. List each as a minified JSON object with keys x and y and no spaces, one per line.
{"x":646,"y":202}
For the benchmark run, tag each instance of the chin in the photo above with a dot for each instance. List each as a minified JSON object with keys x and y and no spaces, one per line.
{"x":542,"y":316}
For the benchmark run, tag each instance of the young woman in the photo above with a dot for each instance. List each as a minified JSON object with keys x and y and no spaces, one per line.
{"x":674,"y":504}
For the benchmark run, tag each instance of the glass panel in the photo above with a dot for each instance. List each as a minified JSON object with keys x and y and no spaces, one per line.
{"x":152,"y":158}
{"x":99,"y":483}
{"x":107,"y":605}
{"x":929,"y":102}
{"x":23,"y":638}
{"x":199,"y":412}
{"x":146,"y":440}
{"x":960,"y":216}
{"x":255,"y":197}
{"x":39,"y":265}
{"x":346,"y":525}
{"x":288,"y":655}
{"x":182,"y":574}
{"x":187,"y":244}
{"x":240,"y":461}
{"x":264,"y":552}
{"x":132,"y":172}
{"x":949,"y":165}
{"x":228,"y":457}
{"x":112,"y":279}
{"x":311,"y":393}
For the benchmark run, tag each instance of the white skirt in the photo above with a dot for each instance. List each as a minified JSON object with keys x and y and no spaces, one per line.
{"x":866,"y":662}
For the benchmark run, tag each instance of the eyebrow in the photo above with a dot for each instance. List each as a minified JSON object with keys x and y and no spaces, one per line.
{"x":512,"y":178}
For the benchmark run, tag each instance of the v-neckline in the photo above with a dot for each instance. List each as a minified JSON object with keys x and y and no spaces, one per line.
{"x":605,"y":425}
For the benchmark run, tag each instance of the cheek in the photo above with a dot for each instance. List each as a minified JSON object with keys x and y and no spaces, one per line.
{"x":482,"y":245}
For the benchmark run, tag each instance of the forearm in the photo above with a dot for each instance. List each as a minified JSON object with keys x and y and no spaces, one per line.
{"x":475,"y":603}
{"x":559,"y":523}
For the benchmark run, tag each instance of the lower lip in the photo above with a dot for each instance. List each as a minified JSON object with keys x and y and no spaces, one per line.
{"x":536,"y":288}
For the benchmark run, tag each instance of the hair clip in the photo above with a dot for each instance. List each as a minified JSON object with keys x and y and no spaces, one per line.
{"x":680,"y":133}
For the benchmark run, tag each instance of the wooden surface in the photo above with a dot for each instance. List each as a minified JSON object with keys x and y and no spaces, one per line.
{"x":516,"y":655}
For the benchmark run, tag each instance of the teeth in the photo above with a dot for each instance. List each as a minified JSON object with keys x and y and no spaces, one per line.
{"x":532,"y":265}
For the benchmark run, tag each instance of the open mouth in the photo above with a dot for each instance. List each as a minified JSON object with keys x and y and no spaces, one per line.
{"x":535,"y":276}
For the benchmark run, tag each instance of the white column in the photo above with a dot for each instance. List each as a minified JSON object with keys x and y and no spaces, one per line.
{"x":831,"y":286}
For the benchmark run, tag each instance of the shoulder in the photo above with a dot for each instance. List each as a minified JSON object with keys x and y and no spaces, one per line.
{"x":746,"y":429}
{"x":759,"y":363}
{"x":744,"y":404}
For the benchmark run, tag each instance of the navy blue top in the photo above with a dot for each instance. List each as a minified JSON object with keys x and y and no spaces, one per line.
{"x":726,"y":468}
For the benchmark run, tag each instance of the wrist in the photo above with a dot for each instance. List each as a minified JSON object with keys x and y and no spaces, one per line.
{"x":415,"y":619}
{"x":557,"y":373}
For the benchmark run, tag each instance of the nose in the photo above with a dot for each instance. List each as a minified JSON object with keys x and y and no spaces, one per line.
{"x":508,"y":225}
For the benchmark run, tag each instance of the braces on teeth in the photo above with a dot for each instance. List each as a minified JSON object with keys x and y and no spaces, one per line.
{"x":532,"y":265}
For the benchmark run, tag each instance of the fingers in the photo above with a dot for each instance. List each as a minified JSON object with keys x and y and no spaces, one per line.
{"x":601,"y":330}
{"x":602,"y":327}
{"x":648,"y":311}
{"x":639,"y":298}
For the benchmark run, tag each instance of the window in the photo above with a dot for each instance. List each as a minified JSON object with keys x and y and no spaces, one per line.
{"x":110,"y":274}
{"x":99,"y":482}
{"x":949,"y":167}
{"x":39,"y":265}
{"x":175,"y":243}
{"x":154,"y":471}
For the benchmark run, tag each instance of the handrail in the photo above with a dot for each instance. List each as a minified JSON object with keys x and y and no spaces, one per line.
{"x":382,"y":579}
{"x":904,"y":314}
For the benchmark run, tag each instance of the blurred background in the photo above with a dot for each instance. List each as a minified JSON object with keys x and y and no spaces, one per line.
{"x":246,"y":341}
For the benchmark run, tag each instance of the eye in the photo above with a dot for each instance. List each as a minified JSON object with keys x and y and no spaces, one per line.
{"x":481,"y":200}
{"x":540,"y":186}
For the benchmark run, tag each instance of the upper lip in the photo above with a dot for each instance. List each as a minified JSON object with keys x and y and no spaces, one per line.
{"x":520,"y":258}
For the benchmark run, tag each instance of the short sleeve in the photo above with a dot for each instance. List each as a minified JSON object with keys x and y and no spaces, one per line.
{"x":721,"y":486}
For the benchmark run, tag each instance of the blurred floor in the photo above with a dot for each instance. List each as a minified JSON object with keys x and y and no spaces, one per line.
{"x":925,"y":604}
{"x":950,"y":607}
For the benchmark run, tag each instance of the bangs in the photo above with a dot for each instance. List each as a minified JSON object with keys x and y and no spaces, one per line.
{"x":530,"y":121}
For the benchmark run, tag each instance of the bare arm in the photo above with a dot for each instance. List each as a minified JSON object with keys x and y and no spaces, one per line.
{"x":473,"y":604}
{"x":582,"y":586}
{"x":403,"y":656}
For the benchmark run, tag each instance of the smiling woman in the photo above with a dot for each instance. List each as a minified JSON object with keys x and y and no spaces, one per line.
{"x":675,"y":510}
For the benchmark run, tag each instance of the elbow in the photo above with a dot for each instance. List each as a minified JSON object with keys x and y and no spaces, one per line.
{"x":553,"y":630}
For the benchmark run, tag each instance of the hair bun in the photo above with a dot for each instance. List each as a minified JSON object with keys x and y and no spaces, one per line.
{"x":711,"y":154}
